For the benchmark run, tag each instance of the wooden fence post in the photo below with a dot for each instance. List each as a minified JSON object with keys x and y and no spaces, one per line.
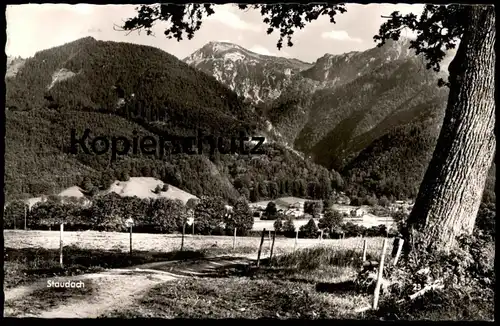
{"x":321,"y":236}
{"x":269,"y":237}
{"x":272,"y":246}
{"x":192,"y":226}
{"x":296,"y":239}
{"x":234,"y":239}
{"x":379,"y":276}
{"x":61,"y":245}
{"x":364,"y":250}
{"x":25,"y":213}
{"x":183,"y":232}
{"x":398,"y":253}
{"x":260,"y":247}
{"x":130,"y":239}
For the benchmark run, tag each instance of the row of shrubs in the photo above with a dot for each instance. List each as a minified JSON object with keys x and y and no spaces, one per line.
{"x":109,"y":213}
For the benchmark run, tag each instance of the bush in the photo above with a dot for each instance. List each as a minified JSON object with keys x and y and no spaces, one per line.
{"x":278,"y":225}
{"x":400,"y":217}
{"x":353,"y":230}
{"x":241,"y":218}
{"x":289,"y":228}
{"x":209,"y":215}
{"x":166,"y":215}
{"x":45,"y":215}
{"x":270,"y":212}
{"x":467,"y":273}
{"x":309,"y":231}
{"x":13,"y":216}
{"x":331,"y":222}
{"x":485,"y":221}
{"x":313,"y":208}
{"x":106,"y":213}
{"x":448,"y":304}
{"x":468,"y":277}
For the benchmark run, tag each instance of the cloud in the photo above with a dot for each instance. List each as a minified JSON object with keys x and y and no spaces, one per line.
{"x":224,"y":15}
{"x":340,"y":36}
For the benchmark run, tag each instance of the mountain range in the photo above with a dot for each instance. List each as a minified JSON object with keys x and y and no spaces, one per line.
{"x":363,"y":122}
{"x":373,"y":115}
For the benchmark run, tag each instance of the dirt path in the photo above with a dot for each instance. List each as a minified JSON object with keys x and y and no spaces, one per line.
{"x":118,"y":288}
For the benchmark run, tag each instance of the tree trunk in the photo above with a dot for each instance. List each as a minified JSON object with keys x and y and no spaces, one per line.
{"x":452,"y":188}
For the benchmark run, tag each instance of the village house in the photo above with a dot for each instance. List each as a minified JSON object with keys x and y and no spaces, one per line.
{"x":362,"y":210}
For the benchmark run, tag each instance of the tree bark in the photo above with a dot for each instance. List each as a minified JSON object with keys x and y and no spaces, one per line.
{"x":452,"y":188}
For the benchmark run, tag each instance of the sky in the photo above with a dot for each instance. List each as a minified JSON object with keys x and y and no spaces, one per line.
{"x":35,"y":27}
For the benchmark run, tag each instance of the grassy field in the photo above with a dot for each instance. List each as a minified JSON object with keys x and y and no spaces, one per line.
{"x":31,"y":255}
{"x":313,"y":283}
{"x":316,"y":281}
{"x":18,"y":239}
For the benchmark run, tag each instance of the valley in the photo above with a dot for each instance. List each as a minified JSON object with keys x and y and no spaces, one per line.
{"x":252,"y":168}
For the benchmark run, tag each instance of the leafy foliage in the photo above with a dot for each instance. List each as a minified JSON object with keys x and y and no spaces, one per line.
{"x":108,"y":213}
{"x":313,"y":207}
{"x":437,"y":28}
{"x":467,"y":274}
{"x":13,"y":215}
{"x":241,"y":218}
{"x":332,"y":221}
{"x":288,"y":227}
{"x":310,"y":230}
{"x":209,"y":215}
{"x":167,"y":216}
{"x":188,"y":18}
{"x":278,"y":225}
{"x":485,"y":220}
{"x":271,"y":211}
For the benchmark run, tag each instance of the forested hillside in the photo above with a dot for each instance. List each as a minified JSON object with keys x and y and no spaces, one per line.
{"x":377,"y":126}
{"x":121,"y":89}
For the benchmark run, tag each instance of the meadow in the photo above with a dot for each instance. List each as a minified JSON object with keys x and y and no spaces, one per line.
{"x":120,"y":241}
{"x":311,"y":280}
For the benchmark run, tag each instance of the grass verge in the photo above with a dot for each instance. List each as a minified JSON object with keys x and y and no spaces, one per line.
{"x":239,"y":298}
{"x":283,"y":288}
{"x":314,"y":283}
{"x":450,"y":304}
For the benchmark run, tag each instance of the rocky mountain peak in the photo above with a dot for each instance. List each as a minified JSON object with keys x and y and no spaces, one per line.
{"x":254,"y":76}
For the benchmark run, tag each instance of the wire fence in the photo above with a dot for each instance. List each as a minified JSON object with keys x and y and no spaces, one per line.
{"x":120,"y":241}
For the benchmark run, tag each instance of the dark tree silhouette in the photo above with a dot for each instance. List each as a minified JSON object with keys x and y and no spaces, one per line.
{"x":450,"y":193}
